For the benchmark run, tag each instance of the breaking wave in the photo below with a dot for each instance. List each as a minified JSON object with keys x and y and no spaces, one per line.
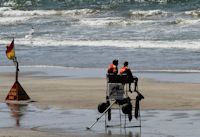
{"x":95,"y":4}
{"x":181,"y":21}
{"x":39,"y":42}
{"x":10,"y":16}
{"x":8,"y":11}
{"x":149,"y":13}
{"x":195,"y":13}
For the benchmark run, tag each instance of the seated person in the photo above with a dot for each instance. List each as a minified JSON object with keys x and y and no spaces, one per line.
{"x":112,"y":68}
{"x":131,"y":78}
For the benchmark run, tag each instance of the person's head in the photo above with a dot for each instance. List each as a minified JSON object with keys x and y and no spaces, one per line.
{"x":115,"y":62}
{"x":125,"y":63}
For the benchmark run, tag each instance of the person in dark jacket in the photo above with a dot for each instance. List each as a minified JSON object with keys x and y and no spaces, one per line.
{"x":126,"y":70}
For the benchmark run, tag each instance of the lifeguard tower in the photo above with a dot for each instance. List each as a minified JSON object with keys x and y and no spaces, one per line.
{"x":117,"y":97}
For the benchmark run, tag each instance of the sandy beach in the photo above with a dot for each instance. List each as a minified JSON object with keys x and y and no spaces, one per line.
{"x":67,"y":93}
{"x":87,"y":93}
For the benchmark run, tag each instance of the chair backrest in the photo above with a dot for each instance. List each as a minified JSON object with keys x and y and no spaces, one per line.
{"x":113,"y":78}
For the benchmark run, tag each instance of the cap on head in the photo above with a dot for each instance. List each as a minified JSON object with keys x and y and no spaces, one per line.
{"x":125,"y":63}
{"x":115,"y":62}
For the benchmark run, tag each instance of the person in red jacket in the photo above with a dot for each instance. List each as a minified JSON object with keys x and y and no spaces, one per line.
{"x":112,"y":68}
{"x":126,"y":70}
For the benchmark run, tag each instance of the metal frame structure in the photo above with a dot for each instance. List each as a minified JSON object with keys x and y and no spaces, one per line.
{"x":119,"y":106}
{"x":117,"y":94}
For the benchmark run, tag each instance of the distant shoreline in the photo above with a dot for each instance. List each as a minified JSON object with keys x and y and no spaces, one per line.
{"x":185,"y":76}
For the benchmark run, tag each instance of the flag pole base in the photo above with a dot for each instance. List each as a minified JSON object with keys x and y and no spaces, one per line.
{"x":17,"y":93}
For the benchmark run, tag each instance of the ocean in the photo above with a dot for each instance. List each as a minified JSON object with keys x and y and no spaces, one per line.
{"x":162,"y":35}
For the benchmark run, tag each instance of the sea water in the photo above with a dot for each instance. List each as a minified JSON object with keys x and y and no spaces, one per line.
{"x":152,"y":35}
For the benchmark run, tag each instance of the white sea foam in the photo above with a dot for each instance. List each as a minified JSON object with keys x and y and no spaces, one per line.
{"x":7,"y":11}
{"x":122,"y":43}
{"x":103,"y":21}
{"x":148,"y":13}
{"x":20,"y":15}
{"x":9,"y":16}
{"x":44,"y":42}
{"x":163,"y":75}
{"x":112,"y":21}
{"x":17,"y":13}
{"x":123,"y":21}
{"x":182,"y":21}
{"x":12,"y":20}
{"x":193,"y":13}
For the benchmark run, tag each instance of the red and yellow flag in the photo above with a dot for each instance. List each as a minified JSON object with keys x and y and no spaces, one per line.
{"x":10,"y":52}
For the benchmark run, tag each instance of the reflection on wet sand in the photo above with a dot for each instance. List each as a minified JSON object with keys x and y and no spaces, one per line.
{"x":125,"y":133}
{"x":17,"y":112}
{"x":65,"y":121}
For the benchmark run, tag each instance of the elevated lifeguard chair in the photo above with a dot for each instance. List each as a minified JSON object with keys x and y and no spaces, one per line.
{"x":117,"y":94}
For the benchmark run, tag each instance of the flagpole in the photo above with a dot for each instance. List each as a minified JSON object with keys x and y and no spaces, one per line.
{"x":16,"y":64}
{"x":17,"y":68}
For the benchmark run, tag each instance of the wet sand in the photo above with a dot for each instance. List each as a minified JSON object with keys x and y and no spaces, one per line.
{"x":64,"y":93}
{"x":30,"y":121}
